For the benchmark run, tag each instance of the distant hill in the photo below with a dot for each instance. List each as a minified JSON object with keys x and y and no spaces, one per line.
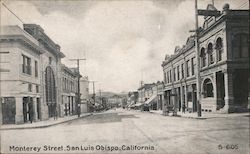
{"x":110,"y":94}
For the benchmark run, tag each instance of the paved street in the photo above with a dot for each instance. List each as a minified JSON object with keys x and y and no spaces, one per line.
{"x":122,"y":131}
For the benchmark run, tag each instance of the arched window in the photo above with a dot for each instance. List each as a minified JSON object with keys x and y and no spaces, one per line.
{"x":210,"y":53}
{"x":219,"y":49}
{"x":208,"y":88}
{"x":241,"y":46}
{"x":50,"y":90}
{"x":203,"y":57}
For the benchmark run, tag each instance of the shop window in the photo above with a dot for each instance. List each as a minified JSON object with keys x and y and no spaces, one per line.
{"x":208,"y":88}
{"x":203,"y":57}
{"x":219,"y":49}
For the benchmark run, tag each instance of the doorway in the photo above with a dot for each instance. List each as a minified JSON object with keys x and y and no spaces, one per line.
{"x":8,"y":110}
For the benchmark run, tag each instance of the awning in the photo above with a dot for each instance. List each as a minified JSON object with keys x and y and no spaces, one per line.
{"x":150,"y":99}
{"x":139,"y":104}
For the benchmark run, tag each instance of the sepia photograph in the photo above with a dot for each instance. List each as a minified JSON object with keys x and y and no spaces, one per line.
{"x":124,"y":77}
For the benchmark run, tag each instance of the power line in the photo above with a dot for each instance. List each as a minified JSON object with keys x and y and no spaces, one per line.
{"x":242,"y":5}
{"x":12,"y":12}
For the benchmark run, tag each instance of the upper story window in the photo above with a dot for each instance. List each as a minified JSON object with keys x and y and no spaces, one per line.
{"x":36,"y":69}
{"x":170,"y":76}
{"x":210,"y":53}
{"x":26,"y":66}
{"x":241,"y":46}
{"x":50,"y":60}
{"x":37,"y":89}
{"x":219,"y":49}
{"x":165,"y":78}
{"x":178,"y":72}
{"x":30,"y":87}
{"x":193,"y":64}
{"x":174,"y":73}
{"x":203,"y":57}
{"x":182,"y":71}
{"x":188,"y":67}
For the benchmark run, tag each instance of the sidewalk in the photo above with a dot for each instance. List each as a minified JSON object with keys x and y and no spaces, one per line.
{"x":42,"y":124}
{"x":205,"y":115}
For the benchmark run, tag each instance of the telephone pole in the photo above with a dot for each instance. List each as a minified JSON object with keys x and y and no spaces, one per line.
{"x":93,"y":90}
{"x":78,"y":86}
{"x":197,"y":48}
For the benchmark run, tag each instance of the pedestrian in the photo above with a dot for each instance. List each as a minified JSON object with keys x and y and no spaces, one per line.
{"x":31,"y":115}
{"x":183,"y":108}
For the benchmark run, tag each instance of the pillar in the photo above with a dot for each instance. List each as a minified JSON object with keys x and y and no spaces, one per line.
{"x":19,"y":110}
{"x":35,"y":108}
{"x":182,"y":100}
{"x":228,"y":77}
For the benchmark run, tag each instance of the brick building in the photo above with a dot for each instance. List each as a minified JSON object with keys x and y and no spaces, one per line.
{"x":224,"y":60}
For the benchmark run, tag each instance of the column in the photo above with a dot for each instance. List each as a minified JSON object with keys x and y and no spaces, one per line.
{"x":186,"y":96}
{"x":182,"y":101}
{"x":19,"y":110}
{"x":228,"y":77}
{"x":35,"y":108}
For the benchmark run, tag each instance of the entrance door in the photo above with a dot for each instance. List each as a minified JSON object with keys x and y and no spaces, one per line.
{"x":38,"y":108}
{"x":25,"y":109}
{"x":220,"y":90}
{"x":9,"y":110}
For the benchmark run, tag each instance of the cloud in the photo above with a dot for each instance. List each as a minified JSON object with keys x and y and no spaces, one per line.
{"x":120,"y":39}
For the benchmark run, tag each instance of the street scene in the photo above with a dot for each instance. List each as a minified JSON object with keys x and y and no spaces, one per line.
{"x":117,"y":128}
{"x":109,"y":76}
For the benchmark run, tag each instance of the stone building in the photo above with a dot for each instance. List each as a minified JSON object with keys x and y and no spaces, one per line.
{"x":84,"y":90}
{"x":30,"y":74}
{"x":224,"y":65}
{"x":69,"y":82}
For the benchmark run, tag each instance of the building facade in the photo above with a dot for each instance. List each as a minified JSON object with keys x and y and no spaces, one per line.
{"x":224,"y":66}
{"x":68,"y":105}
{"x":84,"y":90}
{"x":30,"y":75}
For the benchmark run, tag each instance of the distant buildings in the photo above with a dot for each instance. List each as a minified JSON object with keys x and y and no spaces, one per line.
{"x":34,"y":84}
{"x":84,"y":90}
{"x":224,"y":60}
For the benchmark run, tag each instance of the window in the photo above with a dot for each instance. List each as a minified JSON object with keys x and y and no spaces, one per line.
{"x":36,"y":69}
{"x":165,"y":78}
{"x":26,"y":66}
{"x":170,"y":75}
{"x":188,"y":67}
{"x":178,"y":72}
{"x":50,"y":60}
{"x":219,"y":49}
{"x":210,"y":53}
{"x":193,"y":65}
{"x":37,"y":89}
{"x":203,"y":57}
{"x":50,"y":87}
{"x":30,"y":87}
{"x":182,"y":70}
{"x":208,"y":88}
{"x":241,"y":46}
{"x":174,"y":73}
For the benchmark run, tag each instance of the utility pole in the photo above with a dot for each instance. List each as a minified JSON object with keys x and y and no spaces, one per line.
{"x":93,"y":90}
{"x":78,"y":86}
{"x":197,"y":48}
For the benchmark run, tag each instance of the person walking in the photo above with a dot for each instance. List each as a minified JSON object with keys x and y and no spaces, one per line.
{"x":183,"y":108}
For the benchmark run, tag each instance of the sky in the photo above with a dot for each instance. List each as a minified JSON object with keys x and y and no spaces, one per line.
{"x":124,"y":41}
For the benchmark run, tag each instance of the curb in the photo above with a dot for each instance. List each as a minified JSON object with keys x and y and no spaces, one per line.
{"x":44,"y":126}
{"x":179,"y":116}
